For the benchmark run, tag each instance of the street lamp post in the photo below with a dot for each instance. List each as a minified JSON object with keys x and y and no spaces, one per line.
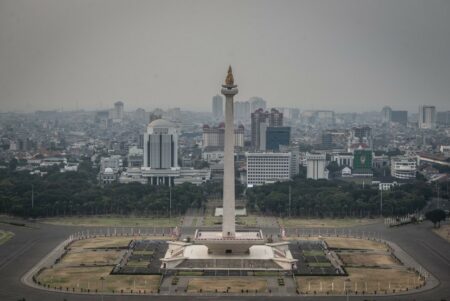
{"x":32,"y":196}
{"x":170,"y":203}
{"x":347,"y":290}
{"x":102,"y":279}
{"x":381,"y":202}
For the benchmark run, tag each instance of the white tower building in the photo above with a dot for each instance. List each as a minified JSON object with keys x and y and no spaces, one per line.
{"x":316,"y":166}
{"x":228,"y":224}
{"x":161,"y":145}
{"x":427,"y":117}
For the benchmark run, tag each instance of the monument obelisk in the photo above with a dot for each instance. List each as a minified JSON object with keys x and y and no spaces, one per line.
{"x":228,"y":222}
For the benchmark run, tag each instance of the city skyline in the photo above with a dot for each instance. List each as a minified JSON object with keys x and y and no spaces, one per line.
{"x":162,"y":54}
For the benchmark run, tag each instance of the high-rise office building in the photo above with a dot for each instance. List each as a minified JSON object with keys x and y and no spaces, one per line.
{"x":443,"y":118}
{"x":161,"y":145}
{"x":400,"y":117}
{"x":327,"y":140}
{"x":427,"y":117}
{"x":258,"y":117}
{"x":260,"y":120}
{"x":217,"y":107}
{"x":118,"y":111}
{"x":386,"y":114}
{"x":276,"y":136}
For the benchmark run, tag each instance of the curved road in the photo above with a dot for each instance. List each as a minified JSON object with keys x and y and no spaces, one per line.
{"x":31,"y":244}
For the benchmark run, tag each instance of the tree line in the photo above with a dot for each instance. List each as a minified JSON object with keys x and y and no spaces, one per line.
{"x":78,"y":193}
{"x":336,"y":198}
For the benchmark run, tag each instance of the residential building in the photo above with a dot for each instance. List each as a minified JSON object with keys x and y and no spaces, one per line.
{"x":427,"y":117}
{"x":260,"y":120}
{"x":118,"y":112}
{"x":443,"y":118}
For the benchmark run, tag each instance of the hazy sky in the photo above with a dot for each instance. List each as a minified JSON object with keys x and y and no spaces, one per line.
{"x":342,"y":55}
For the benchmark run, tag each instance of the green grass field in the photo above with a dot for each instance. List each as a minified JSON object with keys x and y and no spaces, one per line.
{"x":326,"y":222}
{"x":111,"y":221}
{"x":5,"y":236}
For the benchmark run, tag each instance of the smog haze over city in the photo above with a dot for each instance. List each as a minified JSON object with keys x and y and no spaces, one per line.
{"x":339,"y":55}
{"x":224,"y":150}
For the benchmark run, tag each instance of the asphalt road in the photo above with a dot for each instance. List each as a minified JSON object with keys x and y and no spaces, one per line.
{"x":30,"y":245}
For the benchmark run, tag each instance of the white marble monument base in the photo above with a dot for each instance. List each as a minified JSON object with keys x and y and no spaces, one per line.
{"x":240,"y":243}
{"x":265,"y":257}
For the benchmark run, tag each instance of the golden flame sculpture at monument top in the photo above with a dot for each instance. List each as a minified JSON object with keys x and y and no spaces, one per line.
{"x":229,"y":81}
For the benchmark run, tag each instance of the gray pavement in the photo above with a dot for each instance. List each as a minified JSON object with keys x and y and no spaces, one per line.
{"x":30,"y":245}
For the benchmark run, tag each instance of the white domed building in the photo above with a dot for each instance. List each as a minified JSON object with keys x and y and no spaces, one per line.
{"x":107,"y":176}
{"x":160,"y":162}
{"x":161,"y":153}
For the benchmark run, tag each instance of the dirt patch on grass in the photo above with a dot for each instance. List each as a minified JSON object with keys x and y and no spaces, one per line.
{"x":90,"y":278}
{"x":232,"y":284}
{"x":362,"y":259}
{"x":361,"y":279}
{"x":110,"y":242}
{"x":91,"y":258}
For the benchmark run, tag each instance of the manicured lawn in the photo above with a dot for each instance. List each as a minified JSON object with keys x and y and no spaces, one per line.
{"x":112,"y":221}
